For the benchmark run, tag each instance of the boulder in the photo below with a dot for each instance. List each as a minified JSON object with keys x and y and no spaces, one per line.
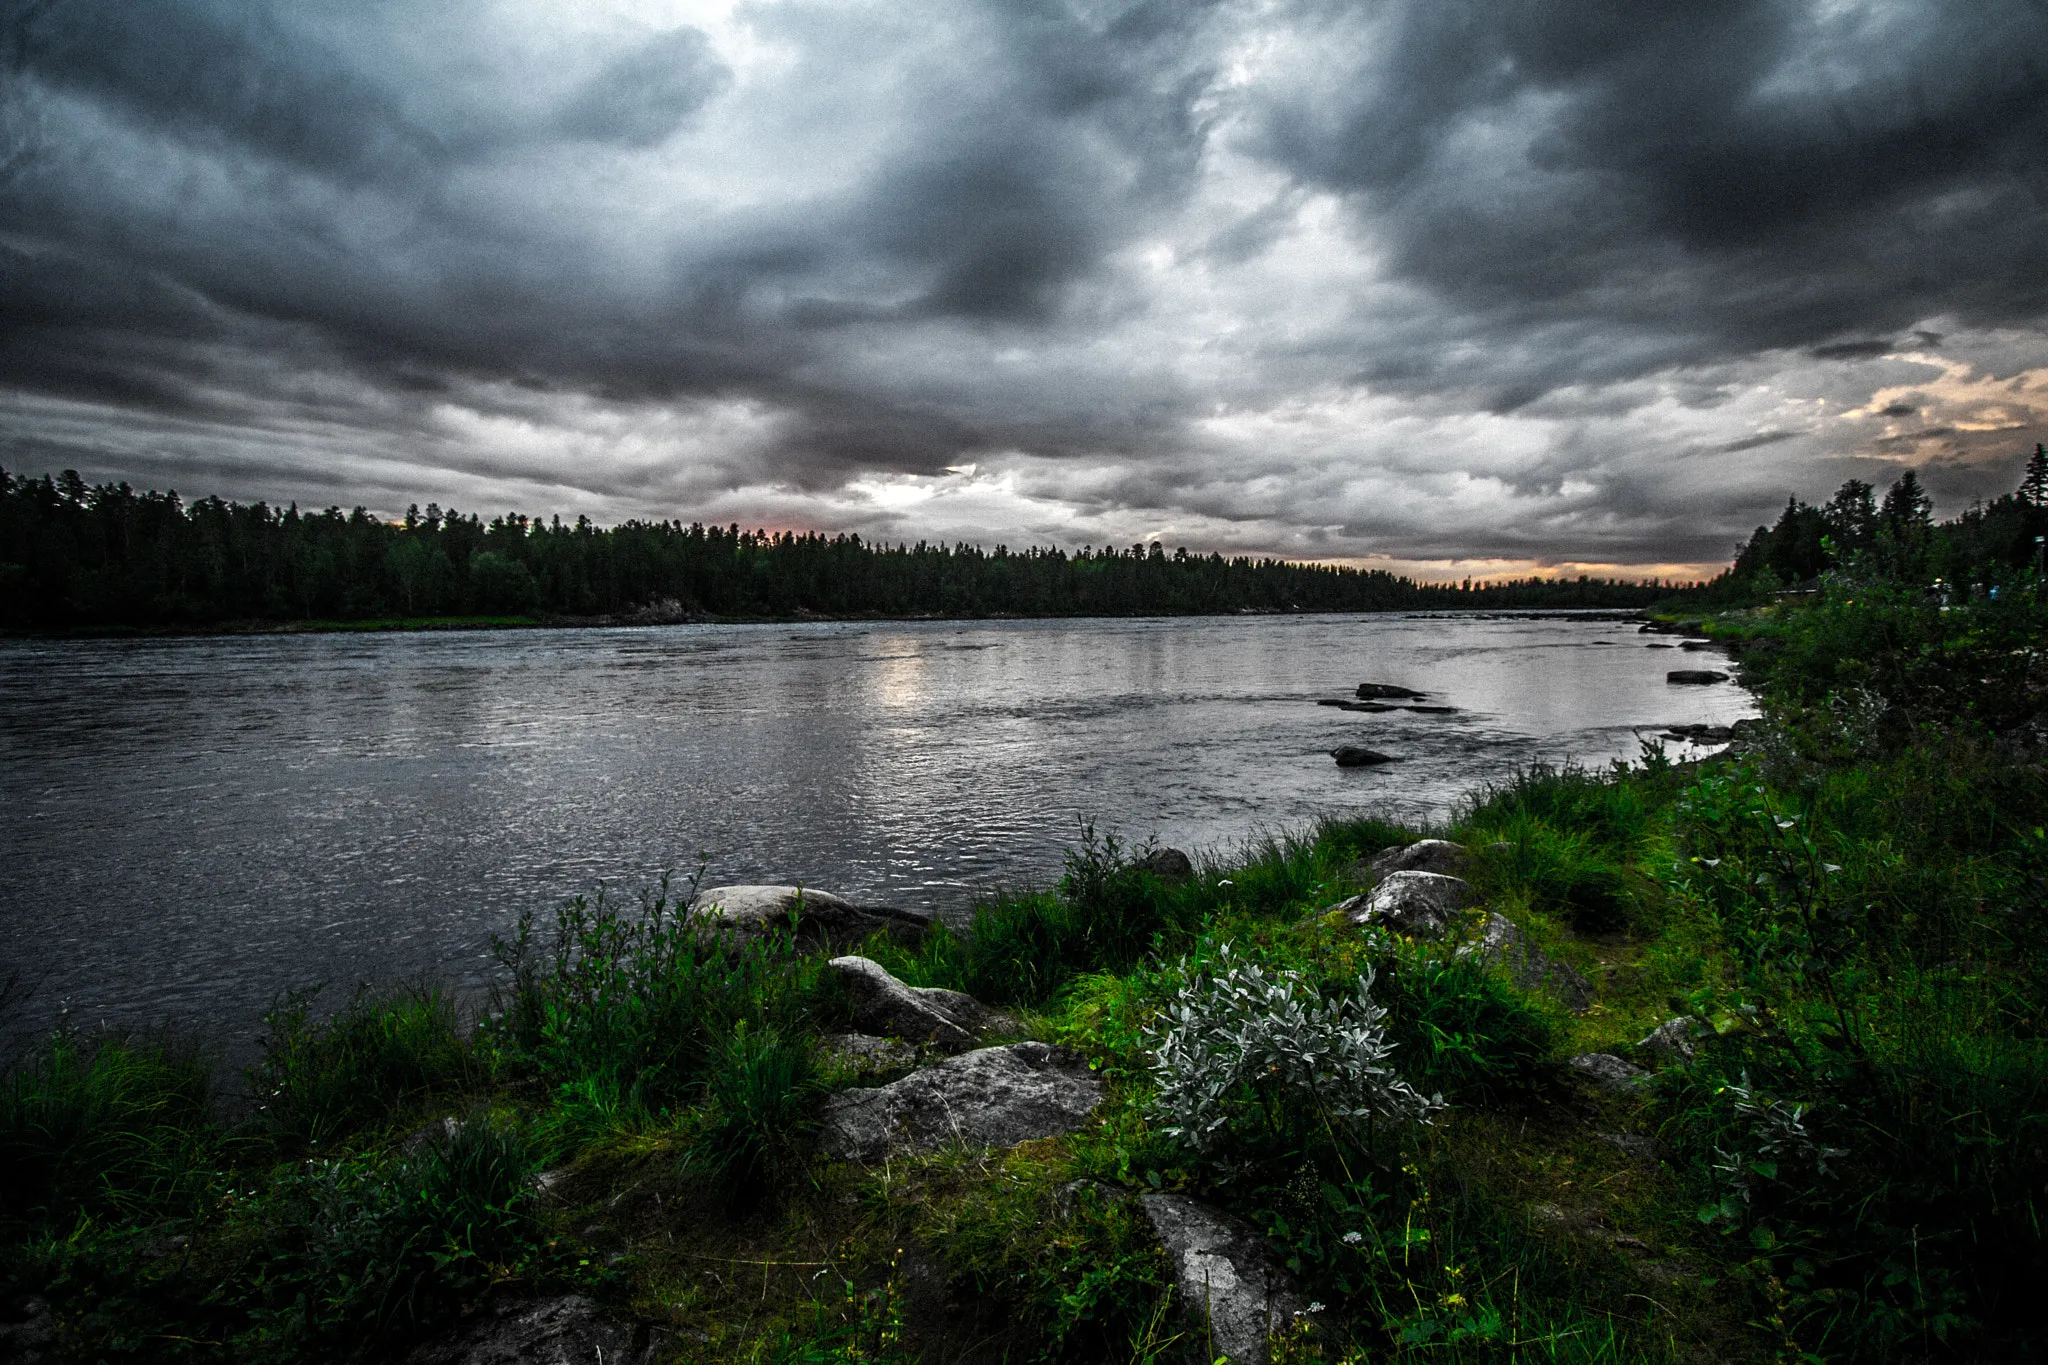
{"x":566,"y":1330}
{"x":994,"y":1097}
{"x":1377,"y":691}
{"x":1671,"y":1041}
{"x":863,"y":1054}
{"x":920,"y":1014}
{"x":750,"y":910}
{"x":1169,"y":864}
{"x":1695,"y":644}
{"x":1418,"y":904}
{"x":1502,"y":943}
{"x":1695,"y":676}
{"x":1351,"y":756}
{"x":1609,"y":1072}
{"x":1226,"y":1275}
{"x":1424,"y":855}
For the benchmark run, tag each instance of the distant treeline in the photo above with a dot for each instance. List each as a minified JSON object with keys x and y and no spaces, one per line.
{"x":1896,"y":538}
{"x":77,"y":556}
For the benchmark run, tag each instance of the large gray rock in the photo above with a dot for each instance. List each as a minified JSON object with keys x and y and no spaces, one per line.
{"x":1609,"y":1072}
{"x":1418,"y":904}
{"x":747,"y":911}
{"x":570,"y":1330}
{"x":1440,"y":856}
{"x":994,"y":1097}
{"x":919,"y":1014}
{"x":1168,"y":864}
{"x":1501,"y":942}
{"x":1226,"y":1275}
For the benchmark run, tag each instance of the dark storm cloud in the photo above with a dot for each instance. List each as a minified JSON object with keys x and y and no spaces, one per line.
{"x":1483,"y":277}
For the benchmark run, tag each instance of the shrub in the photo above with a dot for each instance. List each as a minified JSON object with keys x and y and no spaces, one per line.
{"x":1251,"y":1064}
{"x":107,"y":1124}
{"x":763,"y":1090}
{"x":368,"y":1063}
{"x":1461,"y":1027}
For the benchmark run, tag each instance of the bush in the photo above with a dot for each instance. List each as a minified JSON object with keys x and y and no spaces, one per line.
{"x":371,"y":1062}
{"x":112,"y":1124}
{"x":763,"y":1090}
{"x":1462,"y":1029}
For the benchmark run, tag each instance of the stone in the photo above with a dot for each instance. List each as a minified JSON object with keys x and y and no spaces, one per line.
{"x":1424,"y":855}
{"x":1351,"y":756}
{"x":1226,"y":1275}
{"x":567,"y":1330}
{"x":1695,"y":644}
{"x":993,"y":1097}
{"x":1609,"y":1072}
{"x":1418,"y":904}
{"x":1671,"y":1041}
{"x":1169,"y":864}
{"x":1695,"y":676}
{"x":1502,"y":943}
{"x":1378,"y":691}
{"x":863,"y":1054}
{"x":883,"y":1005}
{"x":751,"y":910}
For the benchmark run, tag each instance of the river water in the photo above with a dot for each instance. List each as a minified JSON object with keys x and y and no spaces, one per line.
{"x":191,"y":825}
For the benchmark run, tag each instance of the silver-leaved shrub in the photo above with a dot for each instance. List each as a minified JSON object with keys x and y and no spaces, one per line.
{"x":1239,"y":1050}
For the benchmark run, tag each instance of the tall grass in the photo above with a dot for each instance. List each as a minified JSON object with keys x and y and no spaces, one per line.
{"x":375,"y":1060}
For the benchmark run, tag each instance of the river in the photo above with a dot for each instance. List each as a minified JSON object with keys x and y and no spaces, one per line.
{"x":193,"y":824}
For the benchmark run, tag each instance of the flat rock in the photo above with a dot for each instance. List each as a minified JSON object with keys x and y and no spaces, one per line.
{"x":993,"y":1097}
{"x":864,"y":1054}
{"x":1695,"y":676}
{"x":1609,"y":1072}
{"x":1440,"y":856}
{"x":1226,"y":1274}
{"x":569,"y":1330}
{"x":1671,"y":1041}
{"x":920,"y":1014}
{"x":1502,"y":943}
{"x":1418,"y":904}
{"x":1351,"y":756}
{"x":1372,"y":691}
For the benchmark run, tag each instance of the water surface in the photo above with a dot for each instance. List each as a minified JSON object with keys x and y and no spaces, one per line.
{"x":191,"y":825}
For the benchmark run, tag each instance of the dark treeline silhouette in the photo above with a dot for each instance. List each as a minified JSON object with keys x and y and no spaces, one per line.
{"x":1896,"y":537}
{"x":78,"y":556}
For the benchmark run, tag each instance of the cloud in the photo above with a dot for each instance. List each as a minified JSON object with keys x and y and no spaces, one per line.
{"x":1445,"y":282}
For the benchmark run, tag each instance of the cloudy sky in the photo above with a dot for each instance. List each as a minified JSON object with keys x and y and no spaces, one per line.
{"x":1461,"y":286}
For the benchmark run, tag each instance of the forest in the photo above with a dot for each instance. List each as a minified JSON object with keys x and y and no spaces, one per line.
{"x":74,"y":556}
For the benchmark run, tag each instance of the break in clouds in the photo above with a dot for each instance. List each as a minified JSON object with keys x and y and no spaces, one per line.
{"x":1464,"y":285}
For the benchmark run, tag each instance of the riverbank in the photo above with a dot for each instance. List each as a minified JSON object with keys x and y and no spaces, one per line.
{"x":1738,"y":1060}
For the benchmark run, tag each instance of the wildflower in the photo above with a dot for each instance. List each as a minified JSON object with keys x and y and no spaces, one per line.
{"x":1352,"y":1239}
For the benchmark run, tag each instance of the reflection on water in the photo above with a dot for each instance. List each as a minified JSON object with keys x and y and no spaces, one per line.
{"x":191,"y":825}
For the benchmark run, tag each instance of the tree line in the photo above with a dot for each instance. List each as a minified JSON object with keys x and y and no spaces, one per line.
{"x":80,"y":556}
{"x":1987,"y":547}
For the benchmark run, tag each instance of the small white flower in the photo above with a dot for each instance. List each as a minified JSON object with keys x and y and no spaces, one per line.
{"x":1352,"y":1239}
{"x":1315,"y":1306}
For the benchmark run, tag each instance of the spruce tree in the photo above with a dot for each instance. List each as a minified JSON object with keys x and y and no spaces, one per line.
{"x":2034,"y":485}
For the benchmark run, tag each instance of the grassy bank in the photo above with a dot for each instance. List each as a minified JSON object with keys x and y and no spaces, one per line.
{"x":1850,"y":1166}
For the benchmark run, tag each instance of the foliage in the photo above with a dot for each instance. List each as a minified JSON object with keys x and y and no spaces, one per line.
{"x":372,"y":1061}
{"x":1244,"y":1060}
{"x":1461,"y":1028}
{"x":763,"y":1090}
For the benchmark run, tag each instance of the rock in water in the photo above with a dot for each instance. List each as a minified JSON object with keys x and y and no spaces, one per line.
{"x":1418,"y":904}
{"x":995,"y":1097}
{"x":1698,"y":676}
{"x":1351,"y":756}
{"x":1609,"y":1072}
{"x":920,"y":1014}
{"x":1424,"y":855}
{"x":1375,"y":691}
{"x":1168,"y":863}
{"x":1224,"y":1273}
{"x":748,"y":911}
{"x":570,"y":1330}
{"x":1502,"y":943}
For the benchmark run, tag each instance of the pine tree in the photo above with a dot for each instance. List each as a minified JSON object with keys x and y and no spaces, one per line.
{"x":2034,"y":485}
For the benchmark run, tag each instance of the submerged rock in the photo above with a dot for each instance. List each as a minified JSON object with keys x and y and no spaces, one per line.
{"x":1351,"y":756}
{"x":1418,"y":904}
{"x":1377,"y":691}
{"x":1609,"y":1072}
{"x":1424,"y":855}
{"x":994,"y":1097}
{"x":569,"y":1330}
{"x":1503,"y":943}
{"x":1695,"y":676}
{"x":920,"y":1014}
{"x":1226,"y":1275}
